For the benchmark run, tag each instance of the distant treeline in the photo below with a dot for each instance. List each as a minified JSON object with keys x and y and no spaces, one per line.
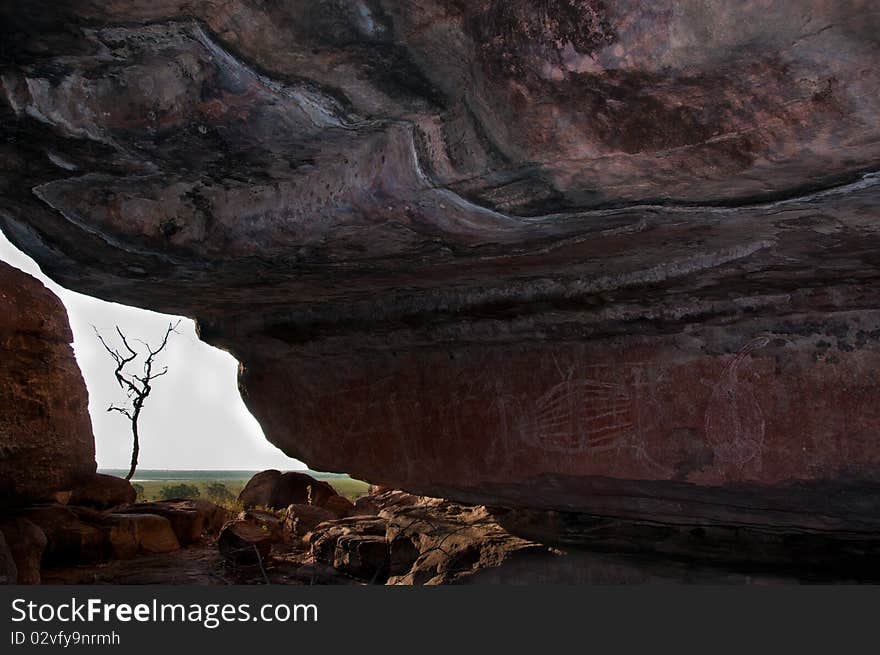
{"x":166,"y":474}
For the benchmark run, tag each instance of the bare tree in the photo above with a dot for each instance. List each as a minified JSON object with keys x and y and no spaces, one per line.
{"x":137,"y":387}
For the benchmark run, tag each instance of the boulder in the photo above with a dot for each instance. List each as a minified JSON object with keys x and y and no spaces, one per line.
{"x":323,"y":540}
{"x":362,"y":556}
{"x":295,"y":488}
{"x":278,"y":490}
{"x":26,"y":541}
{"x":258,"y":490}
{"x":8,"y":569}
{"x":267,"y":521}
{"x":214,"y":515}
{"x":190,"y":518}
{"x":365,"y":506}
{"x":302,"y":519}
{"x":435,"y":541}
{"x":102,"y":491}
{"x":244,"y":543}
{"x":72,"y":537}
{"x":46,"y":442}
{"x":339,"y":506}
{"x":132,"y":534}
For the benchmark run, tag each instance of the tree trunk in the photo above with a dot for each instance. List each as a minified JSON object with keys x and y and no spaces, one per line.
{"x":135,"y":448}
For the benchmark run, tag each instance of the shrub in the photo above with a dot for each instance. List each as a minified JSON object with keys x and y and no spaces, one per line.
{"x":218,"y":492}
{"x":179,"y":491}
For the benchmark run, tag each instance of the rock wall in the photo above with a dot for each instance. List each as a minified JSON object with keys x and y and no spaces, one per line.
{"x":616,"y":257}
{"x":46,"y":442}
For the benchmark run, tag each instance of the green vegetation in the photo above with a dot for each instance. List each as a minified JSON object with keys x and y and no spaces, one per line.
{"x":218,"y":492}
{"x":181,"y":490}
{"x":150,"y":483}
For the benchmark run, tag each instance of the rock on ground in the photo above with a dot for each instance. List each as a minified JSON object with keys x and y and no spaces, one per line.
{"x":8,"y":568}
{"x":46,"y":442}
{"x":278,"y":490}
{"x":131,"y":534}
{"x":246,"y":542}
{"x":102,"y":491}
{"x":302,"y":519}
{"x":190,"y":519}
{"x":26,"y":542}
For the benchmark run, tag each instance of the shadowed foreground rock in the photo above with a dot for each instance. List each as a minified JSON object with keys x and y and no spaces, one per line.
{"x":191,"y":519}
{"x":26,"y":542}
{"x":46,"y":440}
{"x":617,"y":258}
{"x":430,"y":541}
{"x":103,"y":491}
{"x":246,"y":542}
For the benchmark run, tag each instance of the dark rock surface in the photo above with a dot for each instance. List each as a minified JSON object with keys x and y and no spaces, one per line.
{"x":246,"y":542}
{"x":302,"y":519}
{"x":431,"y":541}
{"x":340,"y":506}
{"x":46,"y":442}
{"x":26,"y":542}
{"x":130,"y":534}
{"x":616,"y":257}
{"x":82,"y":544}
{"x":102,"y":491}
{"x":8,"y":567}
{"x":190,"y":519}
{"x":278,"y":490}
{"x":258,"y":490}
{"x":71,"y":537}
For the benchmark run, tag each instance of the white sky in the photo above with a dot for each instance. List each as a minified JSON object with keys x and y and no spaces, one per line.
{"x":193,"y":419}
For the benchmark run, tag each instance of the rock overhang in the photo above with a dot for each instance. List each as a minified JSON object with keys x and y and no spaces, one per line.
{"x":467,"y":249}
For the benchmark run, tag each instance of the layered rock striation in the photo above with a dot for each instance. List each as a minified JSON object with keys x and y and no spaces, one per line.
{"x":608,"y":257}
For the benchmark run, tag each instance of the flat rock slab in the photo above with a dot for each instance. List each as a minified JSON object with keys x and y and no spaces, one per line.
{"x":190,"y":519}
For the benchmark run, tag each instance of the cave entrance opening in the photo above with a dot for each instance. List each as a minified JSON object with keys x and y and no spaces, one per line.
{"x":194,"y":425}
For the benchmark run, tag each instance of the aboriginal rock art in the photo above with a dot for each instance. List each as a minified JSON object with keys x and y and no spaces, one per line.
{"x":734,"y":421}
{"x":579,"y":415}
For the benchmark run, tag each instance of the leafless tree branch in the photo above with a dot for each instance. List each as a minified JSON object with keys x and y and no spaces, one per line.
{"x":137,"y":387}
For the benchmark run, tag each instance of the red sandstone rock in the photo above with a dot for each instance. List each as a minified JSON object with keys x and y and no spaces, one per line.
{"x":190,"y":518}
{"x":362,"y":556}
{"x":297,"y":488}
{"x":26,"y":542}
{"x":278,"y":490}
{"x":340,"y":506}
{"x":130,"y":534}
{"x":102,"y":492}
{"x":8,"y":569}
{"x":46,"y":440}
{"x":365,"y":506}
{"x":325,"y":537}
{"x":302,"y":519}
{"x":621,"y":260}
{"x":245,"y":542}
{"x":70,"y":540}
{"x":258,"y":490}
{"x":268,"y":522}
